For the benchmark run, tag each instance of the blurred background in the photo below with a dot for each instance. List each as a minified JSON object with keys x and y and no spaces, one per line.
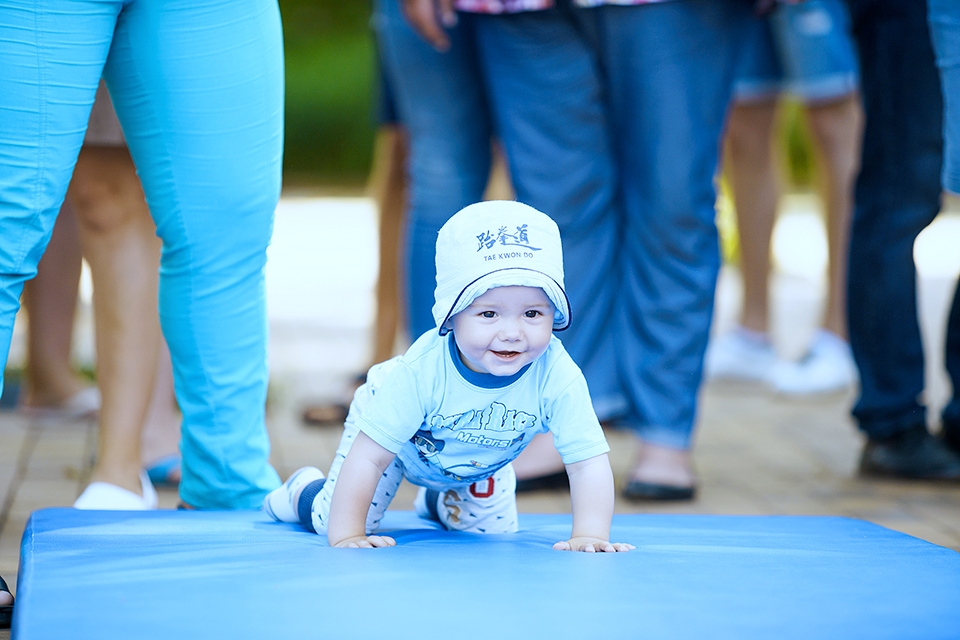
{"x":331,"y":78}
{"x":330,"y":62}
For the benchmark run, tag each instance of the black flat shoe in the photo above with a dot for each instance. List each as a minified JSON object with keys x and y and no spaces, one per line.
{"x":636,"y":490}
{"x":914,"y":454}
{"x":951,"y":435}
{"x":551,"y":482}
{"x":6,"y":610}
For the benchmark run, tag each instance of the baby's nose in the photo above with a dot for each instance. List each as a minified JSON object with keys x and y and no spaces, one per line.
{"x":511,"y":330}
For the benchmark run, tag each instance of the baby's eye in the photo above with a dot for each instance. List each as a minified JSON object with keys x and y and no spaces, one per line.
{"x":488,"y":314}
{"x":532,"y":313}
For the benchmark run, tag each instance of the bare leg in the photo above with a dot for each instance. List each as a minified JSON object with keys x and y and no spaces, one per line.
{"x":754,"y":180}
{"x":837,"y":129}
{"x":121,"y":246}
{"x":388,"y":185}
{"x":50,"y":300}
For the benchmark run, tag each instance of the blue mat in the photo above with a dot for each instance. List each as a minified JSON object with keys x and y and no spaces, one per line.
{"x":169,"y":574}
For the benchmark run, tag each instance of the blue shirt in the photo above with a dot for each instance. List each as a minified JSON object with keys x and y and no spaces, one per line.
{"x":452,"y":426}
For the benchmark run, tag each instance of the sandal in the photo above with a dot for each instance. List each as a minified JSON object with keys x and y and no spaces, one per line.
{"x":6,"y":610}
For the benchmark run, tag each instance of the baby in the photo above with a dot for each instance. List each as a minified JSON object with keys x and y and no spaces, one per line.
{"x":452,"y":412}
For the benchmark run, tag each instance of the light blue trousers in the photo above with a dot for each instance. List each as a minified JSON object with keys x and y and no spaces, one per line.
{"x":198,"y":88}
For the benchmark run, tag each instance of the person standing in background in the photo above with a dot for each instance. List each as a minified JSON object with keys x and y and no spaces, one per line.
{"x":897,"y":196}
{"x":611,"y":118}
{"x":198,"y":88}
{"x":804,"y":50}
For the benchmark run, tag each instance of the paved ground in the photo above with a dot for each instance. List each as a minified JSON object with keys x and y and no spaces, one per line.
{"x":755,"y":453}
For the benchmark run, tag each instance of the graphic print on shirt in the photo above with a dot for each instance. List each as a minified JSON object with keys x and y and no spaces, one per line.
{"x":474,"y":444}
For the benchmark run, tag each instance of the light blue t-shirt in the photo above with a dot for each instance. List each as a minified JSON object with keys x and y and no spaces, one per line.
{"x":450,"y":425}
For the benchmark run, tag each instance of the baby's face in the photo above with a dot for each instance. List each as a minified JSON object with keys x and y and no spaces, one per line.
{"x":504,"y":330}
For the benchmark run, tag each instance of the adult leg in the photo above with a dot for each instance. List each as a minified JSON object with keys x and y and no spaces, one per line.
{"x":668,"y":114}
{"x":754,"y":181}
{"x":951,"y":412}
{"x":817,"y":46}
{"x":544,"y":90}
{"x":944,"y":17}
{"x":837,"y":129}
{"x":123,"y":251}
{"x":745,"y":352}
{"x":897,"y":195}
{"x":198,"y":87}
{"x":827,"y":364}
{"x":389,"y":186}
{"x":440,"y":104}
{"x":546,"y":98}
{"x":50,"y":300}
{"x":42,"y":121}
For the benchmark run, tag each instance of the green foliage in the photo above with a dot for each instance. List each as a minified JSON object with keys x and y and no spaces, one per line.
{"x":799,"y":166}
{"x":307,"y":19}
{"x":330,"y":65}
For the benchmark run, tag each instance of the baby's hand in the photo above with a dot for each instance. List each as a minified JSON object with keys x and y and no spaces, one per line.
{"x":366,"y":542}
{"x":592,"y":545}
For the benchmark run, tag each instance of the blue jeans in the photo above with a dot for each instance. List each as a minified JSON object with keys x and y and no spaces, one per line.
{"x":198,"y":88}
{"x":668,"y":107}
{"x":626,"y":168}
{"x":944,"y":17}
{"x":546,"y":97}
{"x":897,"y":195}
{"x":440,"y":103}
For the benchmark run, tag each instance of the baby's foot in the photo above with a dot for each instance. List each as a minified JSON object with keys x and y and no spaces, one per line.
{"x":281,"y":503}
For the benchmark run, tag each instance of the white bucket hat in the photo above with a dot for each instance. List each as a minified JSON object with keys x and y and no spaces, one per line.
{"x":498,"y":244}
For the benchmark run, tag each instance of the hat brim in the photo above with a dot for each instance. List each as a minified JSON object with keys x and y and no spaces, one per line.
{"x":513,"y":277}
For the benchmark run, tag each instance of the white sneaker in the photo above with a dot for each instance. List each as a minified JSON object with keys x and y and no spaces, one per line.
{"x":741,"y":354}
{"x":827,"y":367}
{"x":279,"y":503}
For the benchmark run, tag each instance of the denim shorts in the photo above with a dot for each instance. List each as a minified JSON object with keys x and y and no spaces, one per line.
{"x":803,"y":49}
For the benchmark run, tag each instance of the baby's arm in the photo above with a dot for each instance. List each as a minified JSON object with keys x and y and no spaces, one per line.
{"x":356,"y":484}
{"x":591,"y":492}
